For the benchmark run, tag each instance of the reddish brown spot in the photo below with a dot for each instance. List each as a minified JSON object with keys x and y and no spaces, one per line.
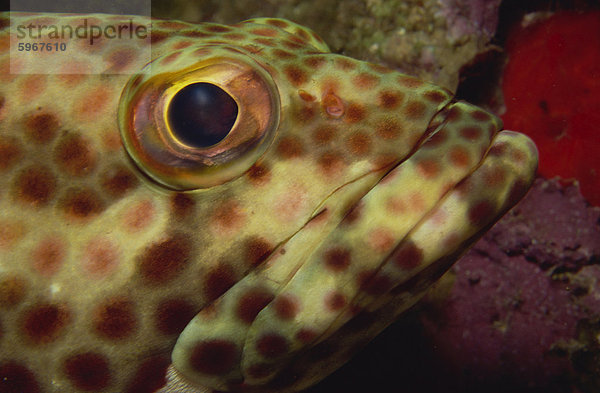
{"x":164,"y":260}
{"x":265,"y":32}
{"x":480,"y":213}
{"x":305,"y":113}
{"x":10,"y":153}
{"x":227,"y":217}
{"x":256,"y":251}
{"x":359,"y":144}
{"x":436,"y":139}
{"x":283,"y":54}
{"x":88,"y":371}
{"x":11,"y":233}
{"x":81,"y":204}
{"x":35,"y":186}
{"x":117,"y":181}
{"x":335,"y":301}
{"x":435,"y":96}
{"x":101,"y":257}
{"x":43,"y":323}
{"x":365,"y":81}
{"x":408,"y":256}
{"x":75,"y":155}
{"x":381,"y":239}
{"x":302,"y":34}
{"x":172,"y":316}
{"x":138,"y":215}
{"x":388,"y":129}
{"x":115,"y":319}
{"x":150,"y":376}
{"x":332,"y":163}
{"x":454,"y":114}
{"x":92,"y":104}
{"x":259,"y":174}
{"x":306,"y":335}
{"x":292,"y":45}
{"x":415,"y":110}
{"x":41,"y":127}
{"x":389,"y":99}
{"x":214,"y":357}
{"x":4,"y":23}
{"x":314,"y":62}
{"x":286,"y":306}
{"x":120,"y":59}
{"x":295,"y":75}
{"x":471,"y":133}
{"x":48,"y":256}
{"x":429,"y":168}
{"x":410,"y":82}
{"x":518,"y":156}
{"x":498,"y":149}
{"x":290,"y":147}
{"x":170,"y":58}
{"x":459,"y":156}
{"x":15,"y":378}
{"x":262,"y":42}
{"x":272,"y":345}
{"x":374,"y":284}
{"x":32,"y":86}
{"x":158,"y":36}
{"x":278,"y":23}
{"x":182,"y":204}
{"x":494,"y":177}
{"x":252,"y":302}
{"x":481,"y":116}
{"x":324,"y":134}
{"x":12,"y":291}
{"x":171,"y":25}
{"x":337,"y":259}
{"x":218,"y":281}
{"x":355,"y":113}
{"x":344,"y":64}
{"x":354,"y":213}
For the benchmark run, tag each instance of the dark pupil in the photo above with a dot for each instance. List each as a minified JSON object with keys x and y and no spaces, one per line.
{"x":201,"y":114}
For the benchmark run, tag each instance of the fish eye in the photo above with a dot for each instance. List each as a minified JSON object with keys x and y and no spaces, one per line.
{"x":201,"y":114}
{"x":201,"y":121}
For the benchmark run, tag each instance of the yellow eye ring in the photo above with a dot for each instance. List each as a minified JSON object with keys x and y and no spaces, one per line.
{"x":197,"y":125}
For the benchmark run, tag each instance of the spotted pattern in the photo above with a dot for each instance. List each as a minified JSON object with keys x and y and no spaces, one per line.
{"x":370,"y":185}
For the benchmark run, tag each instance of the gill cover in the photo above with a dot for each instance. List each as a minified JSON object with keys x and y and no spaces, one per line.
{"x":198,"y":117}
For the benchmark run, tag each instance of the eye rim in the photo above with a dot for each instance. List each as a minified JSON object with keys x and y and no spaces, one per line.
{"x":155,"y":149}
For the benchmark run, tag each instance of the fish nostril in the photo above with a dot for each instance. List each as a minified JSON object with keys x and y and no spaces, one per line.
{"x":202,"y":115}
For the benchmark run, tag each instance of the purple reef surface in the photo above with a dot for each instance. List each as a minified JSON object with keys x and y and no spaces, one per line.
{"x":523,"y":295}
{"x":466,"y":17}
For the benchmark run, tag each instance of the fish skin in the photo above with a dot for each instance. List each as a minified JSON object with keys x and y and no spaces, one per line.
{"x":259,"y":264}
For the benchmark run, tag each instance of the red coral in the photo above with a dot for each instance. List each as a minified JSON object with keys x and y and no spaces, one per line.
{"x":552,"y":93}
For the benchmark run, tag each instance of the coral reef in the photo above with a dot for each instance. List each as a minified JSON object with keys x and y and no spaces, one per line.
{"x":430,"y":39}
